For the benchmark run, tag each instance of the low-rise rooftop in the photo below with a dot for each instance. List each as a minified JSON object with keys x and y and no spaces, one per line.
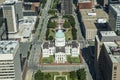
{"x":113,"y":50}
{"x":108,"y":33}
{"x":25,"y":29}
{"x":89,"y":24}
{"x":93,"y":14}
{"x":8,"y":47}
{"x":84,"y":0}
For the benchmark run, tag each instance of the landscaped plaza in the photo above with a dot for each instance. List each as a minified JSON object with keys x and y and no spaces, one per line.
{"x":73,"y":75}
{"x":61,"y":45}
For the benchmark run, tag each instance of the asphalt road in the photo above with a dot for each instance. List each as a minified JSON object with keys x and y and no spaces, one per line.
{"x":35,"y":51}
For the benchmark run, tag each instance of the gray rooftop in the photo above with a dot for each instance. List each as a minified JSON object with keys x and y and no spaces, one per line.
{"x":116,"y":7}
{"x":7,"y":47}
{"x":108,"y":36}
{"x":108,"y":33}
{"x":51,"y":44}
{"x":113,"y":49}
{"x":60,"y":49}
{"x":74,"y":44}
{"x":46,"y":45}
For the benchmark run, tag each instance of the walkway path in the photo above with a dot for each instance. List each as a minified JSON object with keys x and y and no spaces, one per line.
{"x":29,"y":75}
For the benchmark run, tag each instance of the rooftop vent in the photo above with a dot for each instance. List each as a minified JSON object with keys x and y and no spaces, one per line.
{"x":115,"y":50}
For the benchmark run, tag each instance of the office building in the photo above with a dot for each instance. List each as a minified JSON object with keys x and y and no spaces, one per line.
{"x":10,"y":67}
{"x":109,"y":62}
{"x":12,"y":12}
{"x":90,"y":30}
{"x":104,"y":36}
{"x":114,"y":17}
{"x":26,"y":26}
{"x":19,"y":9}
{"x":113,"y":1}
{"x":3,"y":27}
{"x":66,"y":7}
{"x":105,"y":3}
{"x":93,"y":21}
{"x":31,"y":8}
{"x":84,"y":4}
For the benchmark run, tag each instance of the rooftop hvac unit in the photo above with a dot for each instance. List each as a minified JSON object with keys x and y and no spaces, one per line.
{"x":91,"y":14}
{"x":101,"y":20}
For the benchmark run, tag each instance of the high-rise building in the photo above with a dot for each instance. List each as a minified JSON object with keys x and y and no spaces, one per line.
{"x":109,"y":62}
{"x":113,"y":1}
{"x":10,"y":66}
{"x":3,"y":27}
{"x":66,"y":7}
{"x":93,"y":21}
{"x":12,"y":11}
{"x":114,"y":17}
{"x":104,"y":36}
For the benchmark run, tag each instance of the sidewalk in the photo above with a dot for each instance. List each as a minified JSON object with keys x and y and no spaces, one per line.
{"x":29,"y":75}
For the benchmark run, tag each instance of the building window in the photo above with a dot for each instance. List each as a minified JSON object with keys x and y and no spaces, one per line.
{"x":115,"y":67}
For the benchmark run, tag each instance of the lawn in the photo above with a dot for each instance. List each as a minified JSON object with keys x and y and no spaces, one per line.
{"x":68,"y":34}
{"x":48,"y":59}
{"x":60,"y":78}
{"x":73,"y":59}
{"x":68,"y":76}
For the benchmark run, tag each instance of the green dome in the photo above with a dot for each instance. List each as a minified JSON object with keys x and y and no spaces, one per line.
{"x":59,"y":34}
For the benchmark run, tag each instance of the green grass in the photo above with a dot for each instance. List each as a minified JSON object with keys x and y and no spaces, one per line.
{"x":68,"y":76}
{"x":48,"y":59}
{"x":68,"y":34}
{"x":60,"y":78}
{"x":73,"y":59}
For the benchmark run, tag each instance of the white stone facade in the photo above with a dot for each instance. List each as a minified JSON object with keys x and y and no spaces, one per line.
{"x":60,"y":42}
{"x":75,"y":52}
{"x":60,"y":57}
{"x":46,"y":53}
{"x":60,"y":48}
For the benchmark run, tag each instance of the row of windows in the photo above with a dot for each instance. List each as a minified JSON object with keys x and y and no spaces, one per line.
{"x":115,"y":69}
{"x":5,"y":63}
{"x":6,"y":60}
{"x":8,"y":72}
{"x":7,"y":77}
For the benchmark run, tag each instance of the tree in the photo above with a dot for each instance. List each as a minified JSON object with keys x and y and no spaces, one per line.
{"x":52,"y":12}
{"x":43,"y":2}
{"x":51,"y":24}
{"x":81,"y":74}
{"x":50,"y":37}
{"x":47,"y":34}
{"x":47,"y":76}
{"x":66,"y":24}
{"x":70,"y":19}
{"x":39,"y":75}
{"x":73,"y":75}
{"x":74,"y":33}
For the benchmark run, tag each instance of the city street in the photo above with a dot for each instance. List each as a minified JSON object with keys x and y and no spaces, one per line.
{"x":36,"y":46}
{"x":36,"y":43}
{"x":35,"y":51}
